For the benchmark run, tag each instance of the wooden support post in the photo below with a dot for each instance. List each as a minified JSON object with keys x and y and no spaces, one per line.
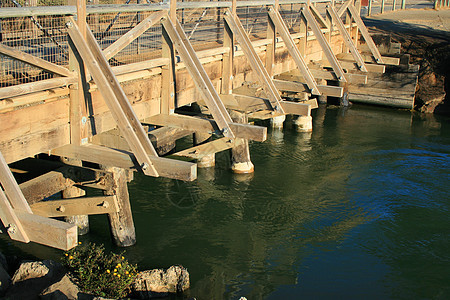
{"x":228,"y":57}
{"x":369,"y":9}
{"x":382,"y":6}
{"x":394,"y":3}
{"x":82,"y":221}
{"x":240,"y":154}
{"x":121,"y":223}
{"x":355,"y":30}
{"x":304,"y":35}
{"x":206,"y":161}
{"x":270,"y":48}
{"x":168,"y":70}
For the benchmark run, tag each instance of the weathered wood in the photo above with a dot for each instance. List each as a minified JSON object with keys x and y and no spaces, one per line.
{"x":133,"y":34}
{"x":322,"y":74}
{"x":300,"y":87}
{"x":115,"y":98}
{"x":121,"y":222}
{"x":37,"y":86}
{"x":215,"y":146}
{"x":394,"y":61}
{"x":296,"y":108}
{"x":344,"y":6}
{"x":254,"y":60}
{"x":164,"y":138}
{"x":348,"y":65}
{"x":76,"y":206}
{"x":324,"y":44}
{"x":166,"y":167}
{"x":34,"y":61}
{"x":347,"y":39}
{"x":293,"y":51}
{"x":10,"y":220}
{"x":49,"y":232}
{"x":318,"y":16}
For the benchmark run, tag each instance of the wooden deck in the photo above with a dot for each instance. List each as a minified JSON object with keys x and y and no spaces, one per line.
{"x":91,"y":120}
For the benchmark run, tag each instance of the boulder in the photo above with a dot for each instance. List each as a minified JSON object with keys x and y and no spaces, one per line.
{"x":31,"y":278}
{"x":156,"y":282}
{"x":64,"y":289}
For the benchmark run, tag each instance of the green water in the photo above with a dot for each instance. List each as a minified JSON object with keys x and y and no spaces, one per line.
{"x":358,"y":209}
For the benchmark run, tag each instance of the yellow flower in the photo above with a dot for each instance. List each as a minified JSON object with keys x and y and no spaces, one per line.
{"x":71,"y":257}
{"x":66,"y":254}
{"x":118,"y":265}
{"x":115,"y":274}
{"x":79,"y":243}
{"x":129,"y":276}
{"x":118,"y":275}
{"x":108,"y":271}
{"x":123,"y":257}
{"x":126,"y":272}
{"x":115,"y":270}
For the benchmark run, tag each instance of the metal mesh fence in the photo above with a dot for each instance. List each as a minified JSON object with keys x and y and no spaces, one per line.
{"x":254,"y":20}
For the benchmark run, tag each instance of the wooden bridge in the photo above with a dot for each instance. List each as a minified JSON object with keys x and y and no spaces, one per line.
{"x":90,"y":94}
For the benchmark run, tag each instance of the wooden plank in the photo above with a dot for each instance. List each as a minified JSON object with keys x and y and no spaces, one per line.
{"x":366,"y":35}
{"x":139,"y":66}
{"x":291,"y":86}
{"x":318,"y":17}
{"x":295,"y":75}
{"x":256,"y":133}
{"x":296,"y":108}
{"x":10,"y":220}
{"x":199,"y":76}
{"x":293,"y":50}
{"x":169,"y":168}
{"x":49,"y":232}
{"x":12,"y":190}
{"x":114,"y":98}
{"x":34,"y":61}
{"x":254,"y":60}
{"x":133,"y":34}
{"x":343,"y":8}
{"x":370,"y":67}
{"x":215,"y":146}
{"x":37,"y":86}
{"x":324,"y":44}
{"x":347,"y":39}
{"x":76,"y":206}
{"x":394,"y":61}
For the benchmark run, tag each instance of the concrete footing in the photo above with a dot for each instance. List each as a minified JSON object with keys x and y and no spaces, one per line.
{"x":207,"y":161}
{"x":303,"y":123}
{"x":240,"y":154}
{"x":277,"y":122}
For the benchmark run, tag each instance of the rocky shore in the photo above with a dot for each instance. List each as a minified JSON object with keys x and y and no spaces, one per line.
{"x":48,"y":279}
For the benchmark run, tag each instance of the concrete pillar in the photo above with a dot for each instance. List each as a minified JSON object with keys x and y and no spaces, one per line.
{"x":121,"y":223}
{"x":277,"y":122}
{"x":208,"y":160}
{"x":304,"y":123}
{"x":82,"y":221}
{"x":240,"y":154}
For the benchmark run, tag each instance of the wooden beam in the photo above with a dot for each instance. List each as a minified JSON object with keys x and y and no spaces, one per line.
{"x":365,"y":33}
{"x":254,"y":60}
{"x":347,"y":39}
{"x":34,"y":61}
{"x":318,"y":16}
{"x":293,"y":50}
{"x":115,"y":98}
{"x":256,"y":133}
{"x":291,"y":86}
{"x":348,"y":65}
{"x":394,"y":61}
{"x":133,"y":34}
{"x":166,"y":167}
{"x":76,"y":206}
{"x":323,"y":44}
{"x":215,"y":146}
{"x":49,"y":232}
{"x":343,"y":8}
{"x":10,"y":220}
{"x":199,"y":76}
{"x":296,"y":108}
{"x":37,"y":86}
{"x":295,"y":75}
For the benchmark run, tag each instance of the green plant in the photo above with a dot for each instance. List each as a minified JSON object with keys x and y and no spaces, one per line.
{"x":100,"y":274}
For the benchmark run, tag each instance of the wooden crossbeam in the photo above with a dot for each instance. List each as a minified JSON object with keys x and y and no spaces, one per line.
{"x":49,"y":232}
{"x":312,"y":23}
{"x":36,"y":86}
{"x":199,"y":76}
{"x":368,"y":58}
{"x":293,"y":50}
{"x":343,"y":8}
{"x":350,"y":65}
{"x":114,"y":97}
{"x":10,"y":220}
{"x":365,"y":33}
{"x":296,"y":108}
{"x":215,"y":146}
{"x":165,"y":167}
{"x":269,"y":88}
{"x":347,"y":39}
{"x":292,"y":86}
{"x":133,"y":34}
{"x":245,"y":131}
{"x":318,"y":17}
{"x":35,"y":61}
{"x":76,"y":206}
{"x":295,"y":75}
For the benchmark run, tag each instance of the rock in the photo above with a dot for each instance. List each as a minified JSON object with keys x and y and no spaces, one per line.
{"x":5,"y":279}
{"x":64,"y":289}
{"x":31,"y":278}
{"x":173,"y":280}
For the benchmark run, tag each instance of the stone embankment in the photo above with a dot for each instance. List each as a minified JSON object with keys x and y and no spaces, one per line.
{"x":49,"y":280}
{"x":425,"y":36}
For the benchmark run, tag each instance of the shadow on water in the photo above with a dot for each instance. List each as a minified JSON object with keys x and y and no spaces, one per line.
{"x":357,"y":208}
